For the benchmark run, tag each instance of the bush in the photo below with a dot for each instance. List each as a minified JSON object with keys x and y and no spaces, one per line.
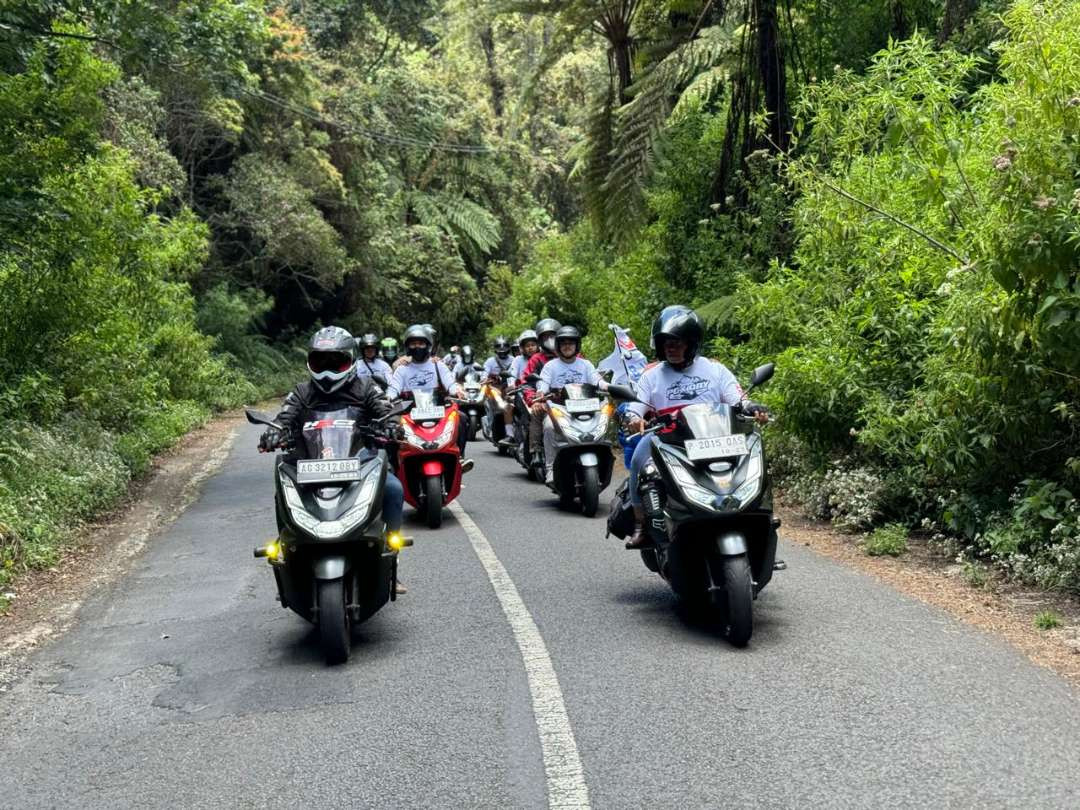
{"x":890,"y":540}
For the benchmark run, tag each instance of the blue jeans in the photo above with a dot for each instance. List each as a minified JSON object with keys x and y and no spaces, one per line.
{"x":642,"y":453}
{"x":393,"y":502}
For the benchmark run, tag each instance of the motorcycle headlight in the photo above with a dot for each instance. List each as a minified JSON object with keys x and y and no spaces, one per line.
{"x":410,"y":435}
{"x":324,"y":529}
{"x":447,"y":434}
{"x":751,"y":485}
{"x":687,"y":485}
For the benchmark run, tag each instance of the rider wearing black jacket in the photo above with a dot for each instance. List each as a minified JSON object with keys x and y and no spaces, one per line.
{"x":334,"y":384}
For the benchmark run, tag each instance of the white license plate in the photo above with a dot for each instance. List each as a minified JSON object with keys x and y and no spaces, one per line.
{"x":339,"y":469}
{"x":582,"y":405}
{"x":716,"y":447}
{"x":426,"y":414}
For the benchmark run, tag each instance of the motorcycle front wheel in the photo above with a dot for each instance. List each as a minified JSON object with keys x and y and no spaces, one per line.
{"x":433,"y":501}
{"x":738,"y":620}
{"x":590,"y":491}
{"x":335,"y":629}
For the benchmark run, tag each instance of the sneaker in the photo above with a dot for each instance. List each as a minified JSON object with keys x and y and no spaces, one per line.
{"x":466,"y":465}
{"x":400,"y":589}
{"x":549,"y":478}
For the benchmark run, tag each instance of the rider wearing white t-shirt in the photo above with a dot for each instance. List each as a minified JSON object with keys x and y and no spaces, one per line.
{"x":680,"y":379}
{"x":422,"y":373}
{"x":566,"y":368}
{"x":370,"y":363}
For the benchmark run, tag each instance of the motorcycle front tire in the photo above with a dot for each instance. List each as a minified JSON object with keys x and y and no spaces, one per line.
{"x":335,"y":628}
{"x":738,"y":620}
{"x":433,"y":501}
{"x":590,"y":491}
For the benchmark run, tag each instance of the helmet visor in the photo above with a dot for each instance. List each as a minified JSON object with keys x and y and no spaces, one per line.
{"x":318,"y":362}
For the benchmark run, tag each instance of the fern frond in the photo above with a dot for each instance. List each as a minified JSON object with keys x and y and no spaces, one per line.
{"x":693,"y":71}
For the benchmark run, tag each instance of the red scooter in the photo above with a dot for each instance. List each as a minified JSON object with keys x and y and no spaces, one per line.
{"x":429,"y":464}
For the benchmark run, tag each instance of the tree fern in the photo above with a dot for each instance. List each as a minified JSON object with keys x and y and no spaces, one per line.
{"x":693,"y":72}
{"x":465,"y":220}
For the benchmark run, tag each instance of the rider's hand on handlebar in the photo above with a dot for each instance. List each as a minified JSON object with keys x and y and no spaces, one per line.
{"x":271,"y":440}
{"x":635,"y":424}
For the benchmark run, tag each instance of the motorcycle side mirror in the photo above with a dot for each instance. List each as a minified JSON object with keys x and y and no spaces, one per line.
{"x":762,"y":374}
{"x":623,"y":392}
{"x":260,"y":418}
{"x":506,"y":375}
{"x":399,"y":408}
{"x":533,"y":378}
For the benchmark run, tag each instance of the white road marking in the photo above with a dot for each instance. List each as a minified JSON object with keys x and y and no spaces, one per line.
{"x":562,"y":766}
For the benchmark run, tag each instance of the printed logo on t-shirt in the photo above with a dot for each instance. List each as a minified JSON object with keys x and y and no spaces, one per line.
{"x":568,"y":377}
{"x":421,"y":378}
{"x":686,"y":388}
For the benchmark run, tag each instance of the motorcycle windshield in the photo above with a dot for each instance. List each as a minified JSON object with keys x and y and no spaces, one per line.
{"x":580,"y":391}
{"x":424,"y":400}
{"x":706,"y":420}
{"x":331,"y":434}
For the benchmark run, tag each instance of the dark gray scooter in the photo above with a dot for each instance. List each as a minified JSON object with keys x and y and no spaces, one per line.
{"x":708,"y":503}
{"x":333,"y":560}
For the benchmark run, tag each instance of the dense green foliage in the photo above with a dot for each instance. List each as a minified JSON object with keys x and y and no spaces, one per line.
{"x":188,"y":189}
{"x":908,"y":257}
{"x":879,"y":196}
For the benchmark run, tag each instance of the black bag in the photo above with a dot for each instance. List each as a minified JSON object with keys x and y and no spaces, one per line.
{"x":620,"y":520}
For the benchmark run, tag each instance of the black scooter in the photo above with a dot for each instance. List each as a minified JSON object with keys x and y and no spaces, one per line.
{"x":709,"y":509}
{"x":333,"y":560}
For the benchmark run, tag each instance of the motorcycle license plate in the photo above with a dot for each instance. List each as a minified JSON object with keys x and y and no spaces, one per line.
{"x":338,"y":469}
{"x":582,"y":405}
{"x":426,"y":414}
{"x":716,"y":447}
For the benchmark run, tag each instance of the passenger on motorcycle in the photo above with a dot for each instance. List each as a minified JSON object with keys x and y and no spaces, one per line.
{"x":422,"y":373}
{"x":568,"y":366}
{"x":529,"y":345}
{"x":334,"y":384}
{"x":545,"y":330}
{"x":370,"y":363}
{"x":681,"y":378}
{"x":499,"y":363}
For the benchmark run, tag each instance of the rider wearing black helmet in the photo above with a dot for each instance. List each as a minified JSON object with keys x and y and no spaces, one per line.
{"x":681,"y":377}
{"x":425,"y":373}
{"x":499,"y":363}
{"x":369,"y":362}
{"x":331,"y":363}
{"x":567,"y":367}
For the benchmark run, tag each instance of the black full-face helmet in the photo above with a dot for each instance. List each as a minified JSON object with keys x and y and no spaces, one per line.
{"x":418,"y":332}
{"x":565,"y":335}
{"x":501,"y":347}
{"x":545,"y":331}
{"x":369,"y":341}
{"x":681,"y":323}
{"x":331,"y":359}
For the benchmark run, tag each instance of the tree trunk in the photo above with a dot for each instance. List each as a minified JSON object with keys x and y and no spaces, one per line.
{"x":495,"y":82}
{"x":957,"y":14}
{"x":770,"y":59}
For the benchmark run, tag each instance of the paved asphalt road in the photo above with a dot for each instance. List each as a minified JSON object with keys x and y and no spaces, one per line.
{"x":185,"y":685}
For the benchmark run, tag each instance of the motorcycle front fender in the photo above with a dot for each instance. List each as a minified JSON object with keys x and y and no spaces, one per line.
{"x":330,"y":568}
{"x":731,"y":544}
{"x":588,"y":460}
